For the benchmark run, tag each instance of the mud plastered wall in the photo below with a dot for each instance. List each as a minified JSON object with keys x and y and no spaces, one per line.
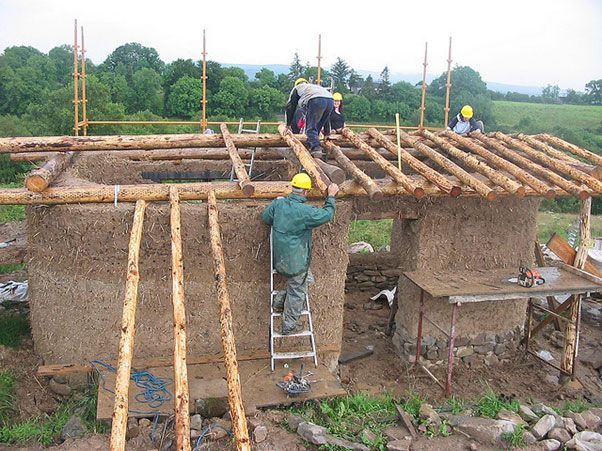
{"x":458,"y":234}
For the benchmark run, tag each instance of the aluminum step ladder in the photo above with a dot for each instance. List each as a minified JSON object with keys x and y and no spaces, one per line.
{"x":249,"y":165}
{"x":274,"y":335}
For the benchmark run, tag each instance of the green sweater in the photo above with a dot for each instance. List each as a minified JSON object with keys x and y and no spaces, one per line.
{"x":292,"y":222}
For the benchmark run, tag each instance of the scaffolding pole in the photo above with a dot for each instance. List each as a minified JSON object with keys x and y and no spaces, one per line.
{"x":204,"y":78}
{"x":448,"y":84}
{"x":83,"y":77}
{"x":319,"y":59}
{"x":75,"y":83}
{"x":422,"y":100}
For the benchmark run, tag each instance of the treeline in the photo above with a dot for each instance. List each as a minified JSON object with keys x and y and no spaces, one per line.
{"x":551,"y":94}
{"x":133,"y":83}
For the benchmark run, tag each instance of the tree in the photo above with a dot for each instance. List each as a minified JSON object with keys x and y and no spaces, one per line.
{"x":550,"y":94}
{"x":215,"y":75}
{"x":148,"y":93}
{"x":266,"y":77}
{"x":236,"y":72}
{"x":130,"y":58}
{"x":355,"y":81}
{"x":593,"y":92}
{"x":340,"y":72}
{"x":62,"y":57}
{"x":296,"y":69}
{"x":178,"y":69}
{"x":232,"y":98}
{"x":357,"y":108}
{"x":384,"y":83}
{"x":463,"y":78}
{"x":573,"y":97}
{"x":368,"y":89}
{"x":184,"y":99}
{"x":15,"y":57}
{"x":265,"y":101}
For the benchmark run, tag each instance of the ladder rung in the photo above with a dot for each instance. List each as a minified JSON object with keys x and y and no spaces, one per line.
{"x":303,"y":333}
{"x":276,"y":314}
{"x":293,"y":355}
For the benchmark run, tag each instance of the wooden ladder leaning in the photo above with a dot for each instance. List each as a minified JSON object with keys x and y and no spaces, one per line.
{"x":128,"y":329}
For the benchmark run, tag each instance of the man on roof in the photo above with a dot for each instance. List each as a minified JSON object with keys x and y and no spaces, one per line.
{"x":318,"y":103}
{"x":464,"y":123}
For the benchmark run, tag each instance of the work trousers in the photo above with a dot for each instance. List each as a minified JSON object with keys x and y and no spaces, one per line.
{"x":318,"y":116}
{"x":292,"y":300}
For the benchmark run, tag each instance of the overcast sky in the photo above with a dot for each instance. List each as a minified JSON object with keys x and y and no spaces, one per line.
{"x":526,"y":42}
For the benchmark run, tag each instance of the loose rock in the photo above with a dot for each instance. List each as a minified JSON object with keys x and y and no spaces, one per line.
{"x":294,"y":421}
{"x":483,"y":430}
{"x":550,"y":445}
{"x":133,"y":430}
{"x":507,"y":415}
{"x":144,"y":422}
{"x":59,"y":389}
{"x":399,"y":445}
{"x":312,"y":433}
{"x":570,"y":425}
{"x":543,"y":426}
{"x":527,"y":414}
{"x":529,"y":438}
{"x":428,"y":414}
{"x":74,"y":428}
{"x":578,"y":419}
{"x":559,"y":434}
{"x":592,"y":421}
{"x":260,"y":433}
{"x":196,"y":422}
{"x":585,"y":440}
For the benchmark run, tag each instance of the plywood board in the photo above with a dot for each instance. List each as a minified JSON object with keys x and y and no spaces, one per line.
{"x":206,"y":381}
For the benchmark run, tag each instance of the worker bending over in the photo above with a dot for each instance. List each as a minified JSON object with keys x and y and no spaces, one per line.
{"x":464,"y":123}
{"x":318,"y":103}
{"x":292,"y":221}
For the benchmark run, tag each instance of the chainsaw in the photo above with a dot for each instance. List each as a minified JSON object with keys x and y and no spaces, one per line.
{"x":528,"y":277}
{"x":295,"y":384}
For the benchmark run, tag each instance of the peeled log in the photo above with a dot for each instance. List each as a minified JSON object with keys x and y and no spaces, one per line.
{"x":334,"y":173}
{"x":548,"y":149}
{"x":237,"y":411}
{"x":358,"y":175}
{"x":39,"y":179}
{"x":576,"y":150}
{"x":128,"y":331}
{"x":304,"y":157}
{"x":385,"y":165}
{"x":501,"y":163}
{"x":239,"y":167}
{"x":182,"y":409}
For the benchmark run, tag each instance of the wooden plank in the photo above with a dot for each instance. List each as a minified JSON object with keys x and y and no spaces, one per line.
{"x":351,"y":356}
{"x":239,"y":167}
{"x":567,"y":254}
{"x":406,"y":420}
{"x":128,"y":331}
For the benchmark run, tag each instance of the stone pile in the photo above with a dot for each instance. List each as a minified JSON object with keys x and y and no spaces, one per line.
{"x":372,"y":272}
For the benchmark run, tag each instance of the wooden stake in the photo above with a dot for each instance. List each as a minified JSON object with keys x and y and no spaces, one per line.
{"x":360,"y":177}
{"x":182,"y":409}
{"x":501,"y":163}
{"x":204,"y":79}
{"x":398,"y":142}
{"x":304,"y":157}
{"x":448,"y":85}
{"x":75,"y":83}
{"x":319,"y":58}
{"x":423,"y":95}
{"x":239,"y":421}
{"x":128,"y":331}
{"x":83,"y":77}
{"x":428,"y":173}
{"x":39,"y":179}
{"x":385,"y":165}
{"x":239,"y":167}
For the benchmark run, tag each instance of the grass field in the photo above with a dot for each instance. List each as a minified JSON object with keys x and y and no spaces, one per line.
{"x":548,"y":116}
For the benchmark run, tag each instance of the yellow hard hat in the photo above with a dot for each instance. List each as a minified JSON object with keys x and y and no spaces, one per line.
{"x":301,"y":180}
{"x":466,"y":111}
{"x":300,"y":80}
{"x":337,"y":96}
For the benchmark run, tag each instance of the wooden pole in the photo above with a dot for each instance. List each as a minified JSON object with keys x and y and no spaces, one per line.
{"x":450,"y":167}
{"x":239,"y":167}
{"x":128,"y":331}
{"x":237,"y":411}
{"x":204,"y":78}
{"x":385,"y":165}
{"x":423,"y":96}
{"x":501,"y":163}
{"x":548,"y":149}
{"x":75,"y":83}
{"x":533,"y":167}
{"x":469,"y":160}
{"x":319,"y":59}
{"x":39,"y":179}
{"x":83,"y":76}
{"x":448,"y":85}
{"x":428,"y":173}
{"x":334,"y":173}
{"x":359,"y":176}
{"x":571,"y":334}
{"x":304,"y":157}
{"x":398,"y":141}
{"x":576,"y":150}
{"x":182,"y":409}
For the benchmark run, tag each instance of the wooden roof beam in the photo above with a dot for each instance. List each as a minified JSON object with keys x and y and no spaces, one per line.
{"x":575,"y":150}
{"x":239,"y":167}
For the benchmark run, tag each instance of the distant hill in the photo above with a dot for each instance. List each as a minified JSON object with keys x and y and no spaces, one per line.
{"x":413,"y":78}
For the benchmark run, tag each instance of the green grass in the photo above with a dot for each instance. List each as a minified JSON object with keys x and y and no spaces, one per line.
{"x":412,"y":404}
{"x":455,"y":405}
{"x":377,"y":233}
{"x":13,"y":267}
{"x":549,"y":223}
{"x":516,"y":438}
{"x":546,"y":116}
{"x":490,"y":404}
{"x":11,"y":213}
{"x":12,"y":330}
{"x":7,"y":385}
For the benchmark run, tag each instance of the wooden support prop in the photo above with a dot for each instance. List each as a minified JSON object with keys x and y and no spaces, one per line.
{"x":182,"y":402}
{"x":501,"y":163}
{"x":239,"y":421}
{"x":496,"y":177}
{"x":239,"y":167}
{"x":529,"y":165}
{"x":428,"y":173}
{"x":567,"y":254}
{"x":571,"y":333}
{"x":557,"y":165}
{"x":540,"y":261}
{"x":450,"y":167}
{"x":548,"y":149}
{"x":128,"y":331}
{"x":576,"y":150}
{"x":359,"y":176}
{"x":385,"y":165}
{"x":39,"y":179}
{"x":304,"y":157}
{"x":334,"y":173}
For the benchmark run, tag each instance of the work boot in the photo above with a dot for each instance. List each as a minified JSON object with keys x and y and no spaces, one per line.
{"x":317,"y":152}
{"x":291,"y":330}
{"x":278,"y":304}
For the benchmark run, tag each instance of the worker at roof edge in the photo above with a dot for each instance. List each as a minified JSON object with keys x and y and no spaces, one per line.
{"x":337,"y":118}
{"x":292,"y":222}
{"x":464,"y":123}
{"x":318,"y":103}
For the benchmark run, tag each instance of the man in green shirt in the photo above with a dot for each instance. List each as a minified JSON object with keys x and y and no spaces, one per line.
{"x":292,"y":221}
